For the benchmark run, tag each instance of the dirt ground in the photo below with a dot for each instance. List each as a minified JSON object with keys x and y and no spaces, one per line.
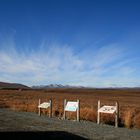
{"x":23,"y":125}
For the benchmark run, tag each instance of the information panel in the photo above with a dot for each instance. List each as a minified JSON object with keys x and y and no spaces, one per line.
{"x":107,"y":109}
{"x":71,"y":106}
{"x":44,"y":105}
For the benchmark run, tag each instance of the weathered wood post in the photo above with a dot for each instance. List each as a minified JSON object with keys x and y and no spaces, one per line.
{"x":98,"y":113}
{"x":50,"y":112}
{"x":39,"y":109}
{"x":117,"y":114}
{"x":65,"y":101}
{"x":78,"y":110}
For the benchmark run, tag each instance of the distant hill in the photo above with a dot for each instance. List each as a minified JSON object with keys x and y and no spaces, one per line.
{"x":4,"y":85}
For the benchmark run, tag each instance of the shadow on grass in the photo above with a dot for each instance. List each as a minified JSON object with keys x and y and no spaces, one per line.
{"x":53,"y":135}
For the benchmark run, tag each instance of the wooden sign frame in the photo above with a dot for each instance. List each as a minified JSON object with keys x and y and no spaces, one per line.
{"x":108,"y":110}
{"x":71,"y":103}
{"x":50,"y":107}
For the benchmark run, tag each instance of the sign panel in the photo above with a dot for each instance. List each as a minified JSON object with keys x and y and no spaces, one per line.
{"x":44,"y":105}
{"x":71,"y":106}
{"x":107,"y":109}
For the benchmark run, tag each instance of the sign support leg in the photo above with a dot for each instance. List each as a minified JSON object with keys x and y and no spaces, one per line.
{"x":98,"y":113}
{"x":117,"y":115}
{"x":39,"y":109}
{"x":50,"y":113}
{"x":64,"y":108}
{"x":78,"y":111}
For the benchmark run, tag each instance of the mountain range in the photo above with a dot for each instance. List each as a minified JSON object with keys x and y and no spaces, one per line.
{"x":55,"y":86}
{"x":5,"y":85}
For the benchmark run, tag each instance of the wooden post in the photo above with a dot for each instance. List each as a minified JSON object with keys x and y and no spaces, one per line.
{"x":78,"y":111}
{"x":50,"y":112}
{"x":39,"y":109}
{"x":117,"y":114}
{"x":98,"y":113}
{"x":65,"y":101}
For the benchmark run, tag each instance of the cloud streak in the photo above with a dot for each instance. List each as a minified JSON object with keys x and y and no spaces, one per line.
{"x":55,"y":63}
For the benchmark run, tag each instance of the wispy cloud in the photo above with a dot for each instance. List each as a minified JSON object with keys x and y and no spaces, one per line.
{"x":48,"y":64}
{"x":54,"y":63}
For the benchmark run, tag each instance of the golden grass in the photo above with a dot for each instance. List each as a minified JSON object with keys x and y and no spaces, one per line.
{"x":27,"y":100}
{"x":128,"y":118}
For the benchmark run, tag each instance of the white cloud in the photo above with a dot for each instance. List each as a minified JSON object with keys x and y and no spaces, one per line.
{"x":55,"y":63}
{"x":46,"y":65}
{"x":106,"y":55}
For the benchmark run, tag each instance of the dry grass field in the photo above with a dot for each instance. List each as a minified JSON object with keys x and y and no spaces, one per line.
{"x":129,"y":103}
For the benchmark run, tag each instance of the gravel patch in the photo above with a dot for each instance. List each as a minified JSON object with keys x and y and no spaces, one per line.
{"x":19,"y":125}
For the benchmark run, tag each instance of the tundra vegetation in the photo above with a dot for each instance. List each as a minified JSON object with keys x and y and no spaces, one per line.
{"x":27,"y":100}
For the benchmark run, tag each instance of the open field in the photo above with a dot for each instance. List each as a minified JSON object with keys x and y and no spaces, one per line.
{"x":129,"y":102}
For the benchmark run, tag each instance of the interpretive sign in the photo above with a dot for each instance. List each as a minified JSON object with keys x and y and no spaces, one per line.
{"x":45,"y":105}
{"x":71,"y":106}
{"x":107,"y":109}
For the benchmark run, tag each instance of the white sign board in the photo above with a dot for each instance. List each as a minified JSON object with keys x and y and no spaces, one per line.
{"x":71,"y":106}
{"x":107,"y":109}
{"x":44,"y":105}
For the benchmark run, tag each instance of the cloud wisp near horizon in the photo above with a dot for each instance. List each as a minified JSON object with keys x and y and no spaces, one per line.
{"x":106,"y":66}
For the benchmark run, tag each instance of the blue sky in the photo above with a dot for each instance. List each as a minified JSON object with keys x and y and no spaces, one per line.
{"x":92,"y":43}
